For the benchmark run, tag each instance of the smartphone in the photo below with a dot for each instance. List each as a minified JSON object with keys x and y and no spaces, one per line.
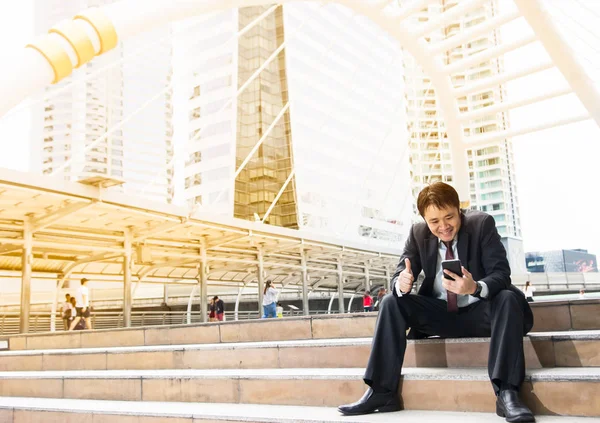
{"x":452,"y":265}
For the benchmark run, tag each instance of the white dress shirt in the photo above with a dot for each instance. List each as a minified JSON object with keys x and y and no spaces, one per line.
{"x":270,"y":296}
{"x":82,"y":296}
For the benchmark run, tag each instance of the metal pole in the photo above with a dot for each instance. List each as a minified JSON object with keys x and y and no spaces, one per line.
{"x":203,"y":280}
{"x":26,"y":263}
{"x":340,"y":286}
{"x":54,"y":306}
{"x":127,"y":297}
{"x":237,"y":301}
{"x":190,"y":302}
{"x":330,"y":303}
{"x":261,"y":281}
{"x":367,"y":277}
{"x":165,"y":293}
{"x":350,"y":302}
{"x":305,"y":309}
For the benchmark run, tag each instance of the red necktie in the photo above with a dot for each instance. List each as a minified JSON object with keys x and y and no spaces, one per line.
{"x":452,"y":297}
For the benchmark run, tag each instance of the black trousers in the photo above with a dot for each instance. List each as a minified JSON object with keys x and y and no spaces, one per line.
{"x":501,"y":318}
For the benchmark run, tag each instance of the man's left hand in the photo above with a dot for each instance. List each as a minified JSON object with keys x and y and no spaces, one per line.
{"x":462,"y":285}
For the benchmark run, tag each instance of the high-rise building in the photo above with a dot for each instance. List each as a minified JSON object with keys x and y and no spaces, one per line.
{"x":147,"y":98}
{"x":319,"y":126}
{"x":576,"y":261}
{"x":205,"y":110}
{"x":294,"y":115}
{"x":491,"y":167}
{"x":348,"y":122}
{"x":264,"y":117}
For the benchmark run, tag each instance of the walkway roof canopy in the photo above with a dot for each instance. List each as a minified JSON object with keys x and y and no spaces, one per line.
{"x":80,"y":230}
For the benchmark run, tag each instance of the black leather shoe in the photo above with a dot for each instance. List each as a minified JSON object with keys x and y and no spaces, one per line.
{"x":510,"y":406}
{"x":371,"y":402}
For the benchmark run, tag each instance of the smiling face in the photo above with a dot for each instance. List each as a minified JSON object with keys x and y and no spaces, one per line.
{"x":444,"y":222}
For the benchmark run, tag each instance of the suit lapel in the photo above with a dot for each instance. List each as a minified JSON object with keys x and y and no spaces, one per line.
{"x":432,"y":248}
{"x":463,"y":243}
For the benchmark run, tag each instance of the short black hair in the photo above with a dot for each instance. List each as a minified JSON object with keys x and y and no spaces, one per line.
{"x":216,"y":297}
{"x":439,"y":195}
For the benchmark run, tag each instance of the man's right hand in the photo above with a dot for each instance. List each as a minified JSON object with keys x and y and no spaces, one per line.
{"x":405,"y":279}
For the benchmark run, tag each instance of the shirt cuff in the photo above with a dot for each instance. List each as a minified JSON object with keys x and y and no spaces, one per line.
{"x":484,"y":289}
{"x":397,"y":288}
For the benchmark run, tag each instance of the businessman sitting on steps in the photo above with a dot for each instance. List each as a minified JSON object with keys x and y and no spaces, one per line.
{"x":480,"y":303}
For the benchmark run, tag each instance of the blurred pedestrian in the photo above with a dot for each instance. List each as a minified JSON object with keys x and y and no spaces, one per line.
{"x":65,"y":311}
{"x":529,"y":292}
{"x":212,"y":310}
{"x":269,"y":300}
{"x":380,"y":294}
{"x":82,"y":298}
{"x":367,"y":301}
{"x":219,"y":308}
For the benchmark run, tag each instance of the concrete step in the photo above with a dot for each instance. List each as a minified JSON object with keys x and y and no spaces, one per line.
{"x":21,"y":410}
{"x":563,"y":391}
{"x":559,"y":349}
{"x":549,"y":316}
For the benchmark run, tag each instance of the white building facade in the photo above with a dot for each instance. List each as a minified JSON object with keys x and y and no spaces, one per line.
{"x":491,"y":167}
{"x":348,"y":124}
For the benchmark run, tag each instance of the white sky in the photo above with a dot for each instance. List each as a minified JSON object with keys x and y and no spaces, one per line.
{"x":16,"y":29}
{"x":557,"y":170}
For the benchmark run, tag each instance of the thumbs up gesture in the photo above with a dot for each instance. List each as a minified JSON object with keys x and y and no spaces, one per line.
{"x":405,"y":279}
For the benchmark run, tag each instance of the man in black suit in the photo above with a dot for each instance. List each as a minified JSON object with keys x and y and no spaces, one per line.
{"x":479,"y":303}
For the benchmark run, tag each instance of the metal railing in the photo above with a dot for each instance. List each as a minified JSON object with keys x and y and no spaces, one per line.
{"x":545,"y":283}
{"x":561,"y":281}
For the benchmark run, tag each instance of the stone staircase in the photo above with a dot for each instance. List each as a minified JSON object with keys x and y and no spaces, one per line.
{"x":288,"y":370}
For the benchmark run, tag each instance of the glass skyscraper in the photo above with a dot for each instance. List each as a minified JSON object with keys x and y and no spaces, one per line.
{"x":330,"y":117}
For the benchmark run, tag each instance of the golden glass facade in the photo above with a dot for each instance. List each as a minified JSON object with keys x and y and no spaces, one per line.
{"x":262,"y":101}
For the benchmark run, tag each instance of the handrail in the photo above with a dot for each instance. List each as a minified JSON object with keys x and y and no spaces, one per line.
{"x":39,"y":321}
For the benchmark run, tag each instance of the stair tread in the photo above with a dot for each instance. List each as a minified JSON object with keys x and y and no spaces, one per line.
{"x":180,"y":347}
{"x":254,"y":412}
{"x":409,"y":373}
{"x":326,"y":342}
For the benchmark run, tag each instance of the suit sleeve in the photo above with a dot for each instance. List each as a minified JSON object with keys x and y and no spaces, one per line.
{"x":493,"y":258}
{"x":411,"y":252}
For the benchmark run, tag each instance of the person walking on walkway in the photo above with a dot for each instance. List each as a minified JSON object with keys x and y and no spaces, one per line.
{"x":269,"y":300}
{"x":367,"y":301}
{"x":82,"y":298}
{"x":529,"y":291}
{"x":219,"y":308}
{"x":380,"y":294}
{"x":212,"y":311}
{"x":65,"y":311}
{"x":481,"y":302}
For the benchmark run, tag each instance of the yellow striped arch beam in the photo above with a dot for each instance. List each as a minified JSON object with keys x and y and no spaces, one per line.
{"x":71,"y":44}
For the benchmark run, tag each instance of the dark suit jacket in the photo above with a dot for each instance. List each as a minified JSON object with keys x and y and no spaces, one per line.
{"x":480,"y":251}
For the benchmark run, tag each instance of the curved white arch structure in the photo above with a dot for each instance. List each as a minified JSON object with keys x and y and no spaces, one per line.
{"x":69,"y":45}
